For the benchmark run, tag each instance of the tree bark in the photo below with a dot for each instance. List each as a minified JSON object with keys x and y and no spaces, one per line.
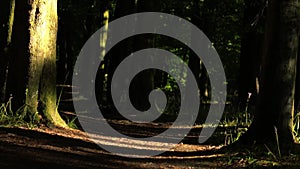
{"x":275,"y":106}
{"x":41,"y":95}
{"x":32,"y":74}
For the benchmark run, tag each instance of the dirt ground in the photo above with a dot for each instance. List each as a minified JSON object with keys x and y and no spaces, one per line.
{"x":54,"y":148}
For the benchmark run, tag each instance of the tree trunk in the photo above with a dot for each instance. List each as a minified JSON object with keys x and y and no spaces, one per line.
{"x":42,"y":68}
{"x":276,"y":98}
{"x":195,"y":64}
{"x":144,"y":84}
{"x":7,"y":12}
{"x":32,"y":74}
{"x":114,"y":57}
{"x":19,"y":58}
{"x":7,"y":19}
{"x":297,"y":89}
{"x":250,"y":58}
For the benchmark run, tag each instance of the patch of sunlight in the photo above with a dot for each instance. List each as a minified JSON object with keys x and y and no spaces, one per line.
{"x":267,"y":163}
{"x":190,"y":157}
{"x":130,"y":143}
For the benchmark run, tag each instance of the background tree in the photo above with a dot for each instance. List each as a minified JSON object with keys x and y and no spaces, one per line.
{"x":251,"y":45}
{"x":144,"y":82}
{"x":113,"y":58}
{"x":7,"y":11}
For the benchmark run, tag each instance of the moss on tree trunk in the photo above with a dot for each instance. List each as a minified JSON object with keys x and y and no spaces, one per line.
{"x":32,"y":71}
{"x":41,"y":96}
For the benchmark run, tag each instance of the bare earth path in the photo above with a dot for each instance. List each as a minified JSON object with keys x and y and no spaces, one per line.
{"x":58,"y":148}
{"x":54,"y":148}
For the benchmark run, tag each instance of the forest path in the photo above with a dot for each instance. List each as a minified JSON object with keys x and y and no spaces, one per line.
{"x":67,"y":148}
{"x":55,"y":148}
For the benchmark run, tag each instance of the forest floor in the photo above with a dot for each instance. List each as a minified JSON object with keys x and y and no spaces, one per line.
{"x":54,"y":148}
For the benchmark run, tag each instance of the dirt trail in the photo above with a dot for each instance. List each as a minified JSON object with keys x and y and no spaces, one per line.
{"x":61,"y":148}
{"x":55,"y":148}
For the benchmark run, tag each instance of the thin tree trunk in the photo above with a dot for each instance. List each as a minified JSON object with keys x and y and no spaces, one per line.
{"x":7,"y":12}
{"x":250,"y":58}
{"x":196,"y":65}
{"x":123,"y":8}
{"x":297,"y":89}
{"x":19,"y":55}
{"x":144,"y":84}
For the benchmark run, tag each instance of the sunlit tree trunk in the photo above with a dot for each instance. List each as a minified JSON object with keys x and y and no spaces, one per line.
{"x":32,"y":74}
{"x":276,"y":98}
{"x":41,"y":88}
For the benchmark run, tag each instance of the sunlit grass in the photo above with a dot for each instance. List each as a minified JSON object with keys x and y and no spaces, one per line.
{"x":297,"y":127}
{"x":71,"y":123}
{"x":19,"y":118}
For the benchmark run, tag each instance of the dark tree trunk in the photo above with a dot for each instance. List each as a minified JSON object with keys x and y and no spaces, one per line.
{"x":144,"y":83}
{"x":297,"y":89}
{"x":17,"y":74}
{"x":194,"y":61}
{"x":250,"y":58}
{"x":275,"y":106}
{"x":195,"y":64}
{"x":114,"y":57}
{"x":7,"y":11}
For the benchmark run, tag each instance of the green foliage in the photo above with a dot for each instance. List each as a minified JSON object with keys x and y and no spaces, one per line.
{"x":270,"y":153}
{"x":21,"y":117}
{"x":277,"y":142}
{"x":235,"y":124}
{"x":71,"y":123}
{"x":297,"y":127}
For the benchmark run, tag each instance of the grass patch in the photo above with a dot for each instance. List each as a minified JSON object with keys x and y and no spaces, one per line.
{"x":71,"y":123}
{"x":19,"y":118}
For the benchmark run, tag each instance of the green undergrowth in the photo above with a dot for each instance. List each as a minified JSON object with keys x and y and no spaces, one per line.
{"x":72,"y":123}
{"x":22,"y":118}
{"x":18,"y":118}
{"x":297,"y":127}
{"x":260,"y":157}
